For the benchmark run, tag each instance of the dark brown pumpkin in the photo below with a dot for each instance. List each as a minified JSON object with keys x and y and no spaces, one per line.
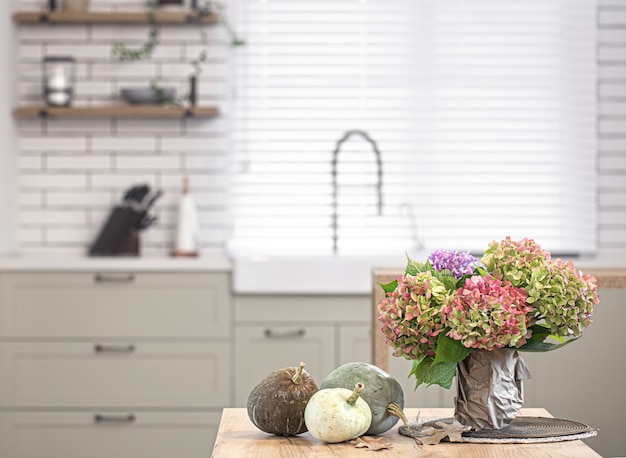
{"x":277,"y":404}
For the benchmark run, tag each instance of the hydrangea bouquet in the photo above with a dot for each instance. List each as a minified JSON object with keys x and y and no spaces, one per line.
{"x":516,"y":296}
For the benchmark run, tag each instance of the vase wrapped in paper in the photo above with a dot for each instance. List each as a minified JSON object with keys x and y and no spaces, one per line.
{"x":456,"y":315}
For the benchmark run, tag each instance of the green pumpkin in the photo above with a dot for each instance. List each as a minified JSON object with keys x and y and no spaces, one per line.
{"x":382,"y":392}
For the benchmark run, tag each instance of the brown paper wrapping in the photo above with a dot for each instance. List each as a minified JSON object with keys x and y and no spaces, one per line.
{"x":489,"y":388}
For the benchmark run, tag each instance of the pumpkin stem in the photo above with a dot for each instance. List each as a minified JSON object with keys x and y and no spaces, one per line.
{"x":395,"y":409}
{"x":355,"y":394}
{"x":297,"y":377}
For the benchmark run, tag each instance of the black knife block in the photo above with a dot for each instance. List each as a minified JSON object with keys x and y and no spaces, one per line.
{"x":120,"y":234}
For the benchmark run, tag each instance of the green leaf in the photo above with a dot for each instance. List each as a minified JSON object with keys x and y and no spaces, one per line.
{"x":440,"y":374}
{"x":450,"y":350}
{"x":413,"y":267}
{"x":389,"y":287}
{"x":481,"y":271}
{"x":538,"y":342}
{"x":449,"y":282}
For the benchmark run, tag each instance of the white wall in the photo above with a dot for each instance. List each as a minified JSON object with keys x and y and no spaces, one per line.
{"x":8,"y":207}
{"x":612,"y":124}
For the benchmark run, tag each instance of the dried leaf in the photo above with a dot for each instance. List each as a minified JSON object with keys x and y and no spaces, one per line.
{"x":371,"y":443}
{"x":432,"y":435}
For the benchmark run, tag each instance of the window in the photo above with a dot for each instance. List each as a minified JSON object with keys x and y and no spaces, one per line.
{"x":483,"y":111}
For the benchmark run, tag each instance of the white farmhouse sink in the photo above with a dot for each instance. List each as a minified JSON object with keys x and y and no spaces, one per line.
{"x":309,"y":274}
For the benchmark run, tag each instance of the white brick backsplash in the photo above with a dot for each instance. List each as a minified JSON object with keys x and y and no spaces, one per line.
{"x":55,"y":163}
{"x":30,"y":52}
{"x":82,"y":199}
{"x":612,"y":199}
{"x":613,"y":217}
{"x":52,"y":32}
{"x":612,"y":71}
{"x":202,"y":182}
{"x":30,"y":236}
{"x":29,"y":126}
{"x":28,"y":88}
{"x":70,"y":235}
{"x":73,"y":126}
{"x":125,"y":69}
{"x":150,"y":125}
{"x":32,"y":71}
{"x":52,"y":217}
{"x":616,"y":127}
{"x":52,"y":144}
{"x":198,"y":125}
{"x":609,"y":90}
{"x":206,"y":162}
{"x":615,"y":237}
{"x":611,"y":17}
{"x":94,"y":88}
{"x":169,"y":52}
{"x":121,"y":180}
{"x":180,"y":144}
{"x":30,"y":199}
{"x":146,"y":163}
{"x":81,"y":51}
{"x":30,"y":163}
{"x":123,"y":143}
{"x":612,"y":109}
{"x":613,"y":164}
{"x":131,"y":36}
{"x":212,"y":237}
{"x":49,"y":181}
{"x":213,"y":51}
{"x":613,"y":181}
{"x":612,"y":144}
{"x":208,"y":218}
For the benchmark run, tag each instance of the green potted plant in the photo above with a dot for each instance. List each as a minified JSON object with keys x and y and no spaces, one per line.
{"x":160,"y":94}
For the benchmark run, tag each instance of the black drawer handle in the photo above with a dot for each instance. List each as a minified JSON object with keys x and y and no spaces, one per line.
{"x":110,"y":418}
{"x":114,"y":278}
{"x":284,"y":335}
{"x":113,"y":348}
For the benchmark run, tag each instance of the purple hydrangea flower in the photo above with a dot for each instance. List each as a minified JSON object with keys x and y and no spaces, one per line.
{"x":459,"y":263}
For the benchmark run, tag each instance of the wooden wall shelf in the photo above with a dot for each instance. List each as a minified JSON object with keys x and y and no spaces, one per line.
{"x":116,"y":17}
{"x":117,"y":111}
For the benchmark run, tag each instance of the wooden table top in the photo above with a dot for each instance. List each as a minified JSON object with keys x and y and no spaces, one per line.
{"x":238,"y":437}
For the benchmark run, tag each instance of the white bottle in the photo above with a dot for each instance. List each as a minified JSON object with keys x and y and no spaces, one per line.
{"x":187,"y":229}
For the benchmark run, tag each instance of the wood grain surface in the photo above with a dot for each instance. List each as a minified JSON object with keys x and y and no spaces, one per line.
{"x":113,"y":17}
{"x":238,"y":437}
{"x":117,"y":111}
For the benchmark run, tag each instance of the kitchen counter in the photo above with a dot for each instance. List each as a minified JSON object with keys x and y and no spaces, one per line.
{"x":238,"y":437}
{"x":208,"y":262}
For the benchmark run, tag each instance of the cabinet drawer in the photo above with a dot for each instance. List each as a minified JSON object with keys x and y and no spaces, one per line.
{"x":260,"y":350}
{"x":78,"y":435}
{"x":114,"y":374}
{"x":114,"y":305}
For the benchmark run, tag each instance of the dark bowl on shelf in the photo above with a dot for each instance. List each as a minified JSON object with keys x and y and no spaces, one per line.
{"x":147,"y":95}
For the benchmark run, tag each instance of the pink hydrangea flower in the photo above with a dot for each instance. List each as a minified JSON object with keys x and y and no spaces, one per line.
{"x":411,"y":315}
{"x":488,"y":313}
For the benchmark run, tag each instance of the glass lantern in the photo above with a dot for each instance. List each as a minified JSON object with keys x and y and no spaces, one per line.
{"x":59,"y":74}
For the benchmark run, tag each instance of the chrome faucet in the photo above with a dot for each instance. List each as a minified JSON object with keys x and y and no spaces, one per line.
{"x":379,"y":185}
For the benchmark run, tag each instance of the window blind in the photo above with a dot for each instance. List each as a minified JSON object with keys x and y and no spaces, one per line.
{"x":483,"y":112}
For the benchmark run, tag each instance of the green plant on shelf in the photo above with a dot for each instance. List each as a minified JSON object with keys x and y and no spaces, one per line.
{"x":125,"y":54}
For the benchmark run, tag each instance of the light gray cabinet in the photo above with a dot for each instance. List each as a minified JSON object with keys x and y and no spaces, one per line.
{"x":272,"y":332}
{"x":107,"y":434}
{"x":113,"y":364}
